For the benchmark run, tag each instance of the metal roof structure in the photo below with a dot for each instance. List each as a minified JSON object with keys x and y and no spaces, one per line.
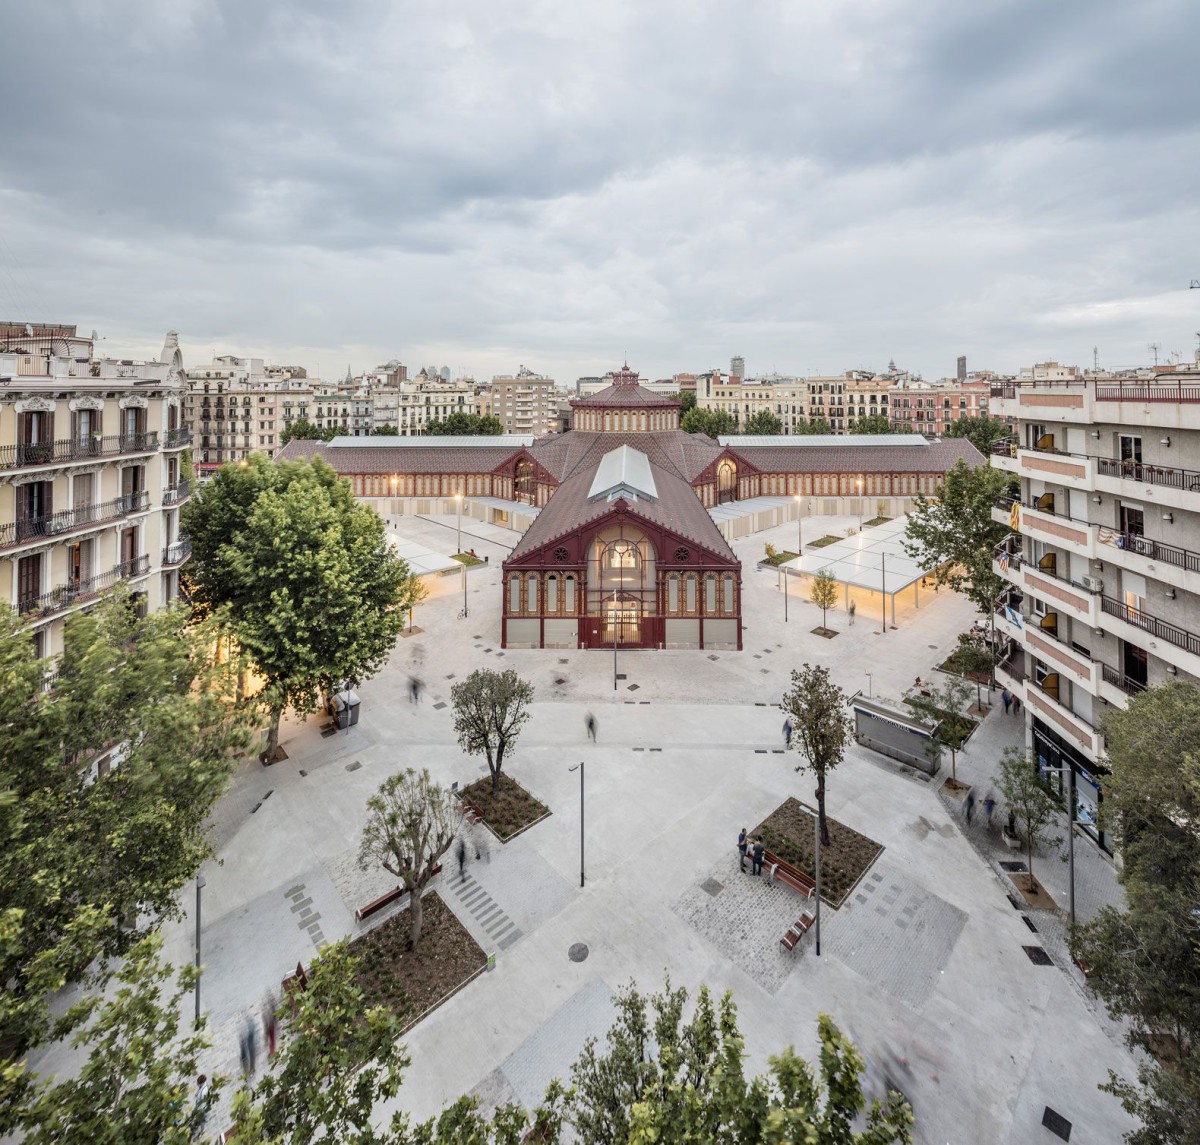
{"x":623,"y":472}
{"x":434,"y":441}
{"x":873,"y":559}
{"x":819,"y":440}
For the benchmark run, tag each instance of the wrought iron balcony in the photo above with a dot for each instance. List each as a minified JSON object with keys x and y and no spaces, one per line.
{"x":1171,"y":633}
{"x":177,"y":438}
{"x":177,"y":552}
{"x":82,"y":590}
{"x":176,"y":493}
{"x":71,"y":520}
{"x":26,"y":454}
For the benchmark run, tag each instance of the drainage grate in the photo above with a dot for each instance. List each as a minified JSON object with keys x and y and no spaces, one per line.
{"x":303,"y":773}
{"x":1012,"y":900}
{"x":560,"y":680}
{"x":578,"y":952}
{"x":1037,"y":956}
{"x":450,"y":677}
{"x":1029,"y":923}
{"x":622,"y":676}
{"x":633,"y":687}
{"x":712,"y":887}
{"x":1056,"y":1123}
{"x":328,"y":732}
{"x":1015,"y":868}
{"x":714,"y":657}
{"x":353,"y":766}
{"x":439,"y":705}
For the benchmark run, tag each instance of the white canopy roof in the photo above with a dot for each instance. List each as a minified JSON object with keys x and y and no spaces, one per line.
{"x":873,"y":559}
{"x":623,"y":472}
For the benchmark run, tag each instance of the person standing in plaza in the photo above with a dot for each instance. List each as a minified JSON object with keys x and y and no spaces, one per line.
{"x":268,"y":1020}
{"x":787,"y":732}
{"x":741,"y":845}
{"x":756,"y":857}
{"x":591,"y":727}
{"x":1007,"y":697}
{"x":1016,"y":704}
{"x":851,"y":611}
{"x":989,"y":807}
{"x":969,"y":806}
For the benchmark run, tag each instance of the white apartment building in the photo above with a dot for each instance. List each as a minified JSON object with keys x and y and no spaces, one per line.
{"x":238,"y":406}
{"x":411,"y":404}
{"x":92,"y":476}
{"x":1103,"y":561}
{"x":524,"y":403}
{"x":741,"y":398}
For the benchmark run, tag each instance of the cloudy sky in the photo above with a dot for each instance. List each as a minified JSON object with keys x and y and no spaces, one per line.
{"x":813,"y":184}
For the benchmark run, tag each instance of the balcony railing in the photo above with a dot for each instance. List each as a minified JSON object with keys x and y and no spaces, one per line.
{"x":1171,"y":633}
{"x":1117,"y":679}
{"x":68,"y":520}
{"x":1157,"y":551}
{"x":177,"y":438}
{"x":1004,"y":448}
{"x":180,"y":491}
{"x":1156,"y":391}
{"x":75,"y":592}
{"x":1011,"y":667}
{"x":178,"y":552}
{"x":1188,"y":479}
{"x":51,"y":452}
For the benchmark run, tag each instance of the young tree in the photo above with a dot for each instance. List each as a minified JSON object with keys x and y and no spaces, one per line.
{"x":823,"y":592}
{"x":763,"y":422}
{"x":981,"y":432}
{"x":946,"y":709}
{"x":974,"y":660}
{"x":133,"y":1087}
{"x":1033,"y":807}
{"x":92,"y":857}
{"x":821,"y":727}
{"x":489,"y":712}
{"x":1143,"y":958}
{"x":302,"y":574}
{"x":871,"y":423}
{"x":953,"y":533}
{"x":665,"y":1078}
{"x":410,"y":826}
{"x":711,"y":423}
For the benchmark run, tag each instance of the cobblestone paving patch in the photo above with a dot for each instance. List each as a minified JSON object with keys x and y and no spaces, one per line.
{"x":549,"y":1052}
{"x":355,"y":887}
{"x":895,"y":933}
{"x":745,"y":922}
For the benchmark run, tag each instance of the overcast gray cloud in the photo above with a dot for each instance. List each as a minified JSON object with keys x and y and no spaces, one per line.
{"x":815,"y":185}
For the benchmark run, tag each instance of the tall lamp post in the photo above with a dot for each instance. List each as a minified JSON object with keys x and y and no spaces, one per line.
{"x":458,"y":537}
{"x":799,"y":525}
{"x":199,"y":888}
{"x":579,"y":768}
{"x":860,"y":505}
{"x":614,"y":628}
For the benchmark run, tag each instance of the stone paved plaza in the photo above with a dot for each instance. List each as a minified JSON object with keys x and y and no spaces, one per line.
{"x":925,"y":964}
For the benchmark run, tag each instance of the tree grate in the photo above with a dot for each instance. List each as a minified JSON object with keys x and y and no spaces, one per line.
{"x":1038,"y":956}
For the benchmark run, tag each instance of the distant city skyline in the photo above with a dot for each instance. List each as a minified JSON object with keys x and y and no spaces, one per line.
{"x":816,"y":188}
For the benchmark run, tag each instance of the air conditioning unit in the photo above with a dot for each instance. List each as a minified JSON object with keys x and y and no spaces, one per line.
{"x":1143,"y":545}
{"x":1092,"y":583}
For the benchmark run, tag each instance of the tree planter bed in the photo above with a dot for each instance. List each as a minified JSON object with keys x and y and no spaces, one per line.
{"x":507,"y":813}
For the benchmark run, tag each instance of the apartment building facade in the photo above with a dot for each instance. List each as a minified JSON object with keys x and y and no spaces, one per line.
{"x":1103,"y":558}
{"x":931,"y":408}
{"x":93,"y":461}
{"x":785,"y":397}
{"x":525,"y":403}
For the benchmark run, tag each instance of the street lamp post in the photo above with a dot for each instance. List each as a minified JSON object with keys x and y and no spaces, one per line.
{"x":799,"y":525}
{"x":860,"y":505}
{"x":458,"y":538}
{"x":614,"y":628}
{"x":199,"y":888}
{"x":579,"y":767}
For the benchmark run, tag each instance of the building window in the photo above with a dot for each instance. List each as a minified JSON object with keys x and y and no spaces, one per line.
{"x":552,"y":593}
{"x":690,"y":594}
{"x":673,"y":594}
{"x":531,"y":603}
{"x":570,"y":594}
{"x":710,"y":594}
{"x":514,"y":595}
{"x":729,"y":594}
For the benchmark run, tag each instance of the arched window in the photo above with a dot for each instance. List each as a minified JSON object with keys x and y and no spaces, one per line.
{"x":569,"y":594}
{"x":622,"y":555}
{"x":552,"y":593}
{"x":531,"y":593}
{"x":726,"y":481}
{"x":524,"y":481}
{"x":710,"y":594}
{"x":514,"y":595}
{"x":673,"y":594}
{"x":690,"y":594}
{"x":729,"y":594}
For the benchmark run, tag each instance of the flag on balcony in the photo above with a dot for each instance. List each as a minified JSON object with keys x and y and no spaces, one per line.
{"x":1014,"y":517}
{"x":1013,"y":615}
{"x":1002,"y":561}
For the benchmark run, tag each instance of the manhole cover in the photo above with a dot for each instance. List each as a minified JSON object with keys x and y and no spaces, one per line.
{"x":578,"y":951}
{"x":714,"y":657}
{"x":1037,"y":956}
{"x":560,"y":680}
{"x":353,"y":766}
{"x":564,"y":661}
{"x":712,"y":887}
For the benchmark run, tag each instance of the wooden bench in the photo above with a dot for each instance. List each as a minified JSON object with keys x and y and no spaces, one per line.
{"x":797,"y":931}
{"x":470,"y":813}
{"x":785,"y":873}
{"x":1085,"y":969}
{"x":379,"y":903}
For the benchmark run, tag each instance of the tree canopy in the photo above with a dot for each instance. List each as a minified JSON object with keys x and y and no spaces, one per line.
{"x":871,"y":423}
{"x":981,"y":432}
{"x":953,"y":534}
{"x":712,"y":423}
{"x":490,"y":708}
{"x":823,"y":592}
{"x":821,"y":728}
{"x":946,"y":709}
{"x":304,"y":430}
{"x":762,"y":422}
{"x":302,"y":574}
{"x":463,"y":424}
{"x":812,"y":426}
{"x":1145,"y":958}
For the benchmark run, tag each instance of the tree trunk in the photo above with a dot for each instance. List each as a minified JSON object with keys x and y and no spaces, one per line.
{"x":273,"y":736}
{"x":1029,"y":864}
{"x":824,"y":827}
{"x":415,"y":916}
{"x":496,"y":769}
{"x":953,"y":765}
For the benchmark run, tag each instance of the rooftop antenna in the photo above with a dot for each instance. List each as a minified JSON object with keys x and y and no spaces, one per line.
{"x":1154,"y":348}
{"x":1096,"y":359}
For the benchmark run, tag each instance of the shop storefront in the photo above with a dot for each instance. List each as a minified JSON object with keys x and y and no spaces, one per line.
{"x":1052,"y":754}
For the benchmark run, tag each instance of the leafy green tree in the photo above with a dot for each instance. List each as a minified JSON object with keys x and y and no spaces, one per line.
{"x":821,"y":728}
{"x":664,"y":1078}
{"x":712,"y":423}
{"x":490,"y":708}
{"x":871,"y":423}
{"x":973,"y":660}
{"x":304,"y":430}
{"x":1033,"y":808}
{"x":813,"y":426}
{"x":1144,"y":959}
{"x":385,"y":431}
{"x":302,"y":575}
{"x":133,"y":1086}
{"x":981,"y":432}
{"x":763,"y":422}
{"x":411,"y":823}
{"x":953,"y":532}
{"x":461,"y":423}
{"x":946,"y":709}
{"x":823,"y":592}
{"x":687,"y":401}
{"x":109,"y":780}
